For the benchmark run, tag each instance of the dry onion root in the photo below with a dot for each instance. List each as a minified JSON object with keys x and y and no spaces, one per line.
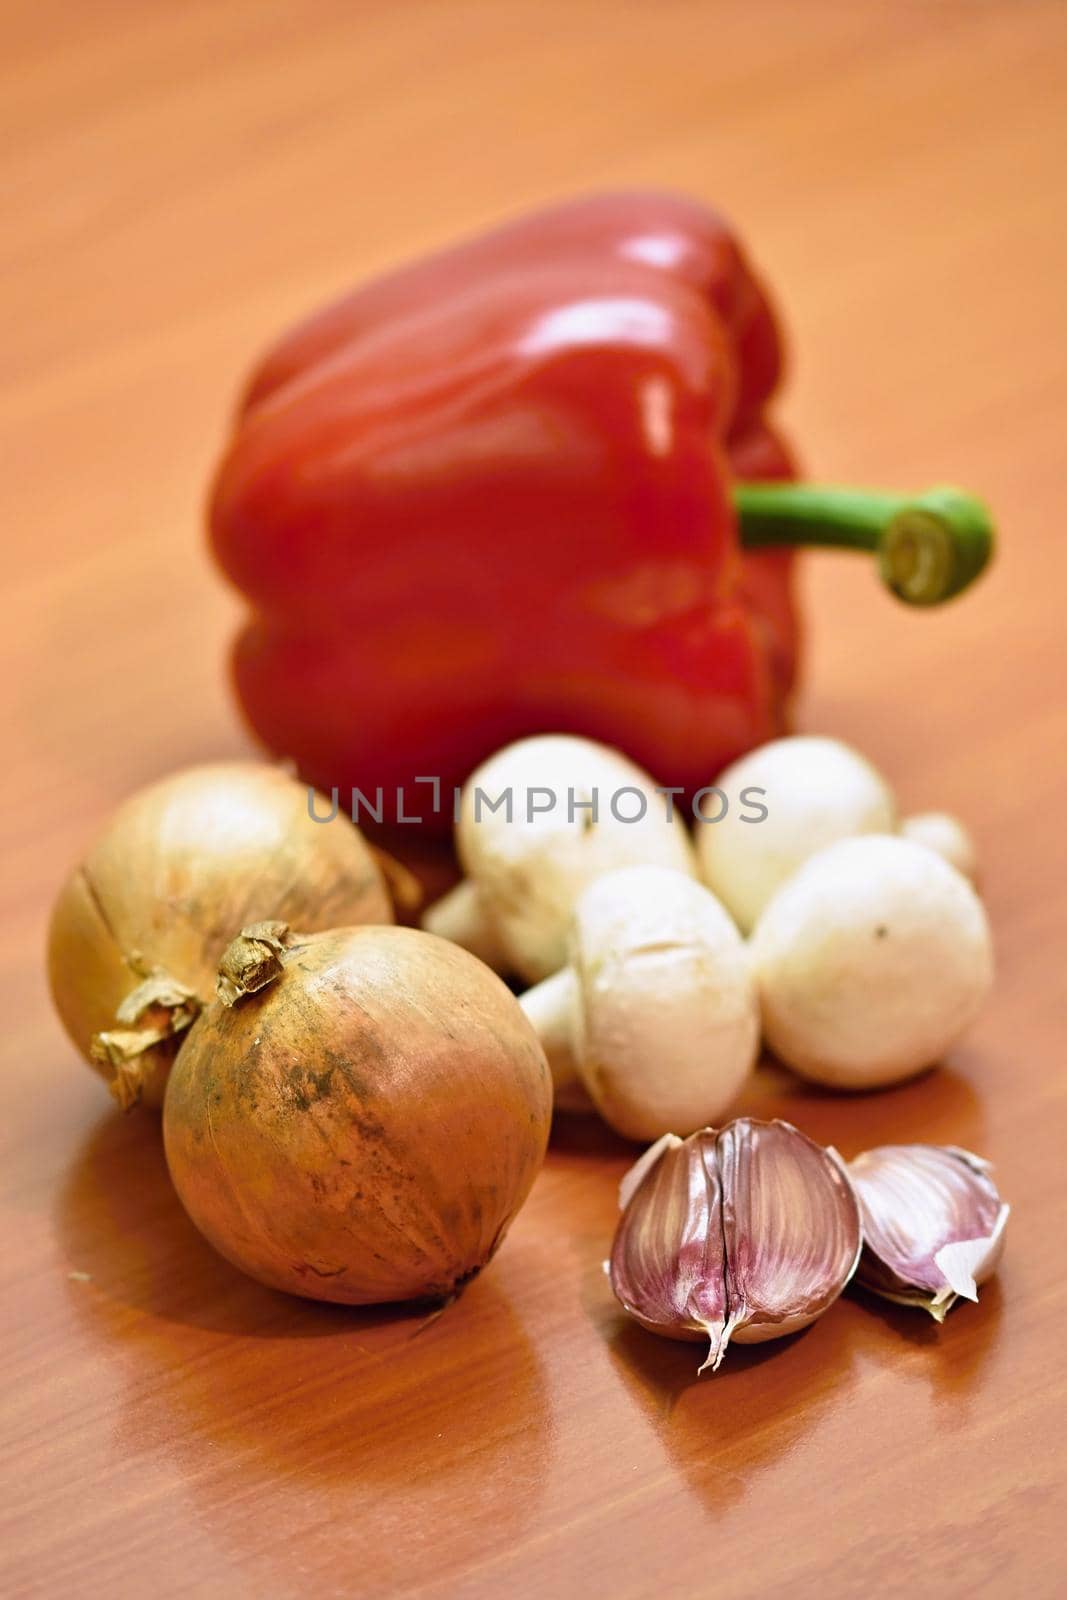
{"x":359,"y":1115}
{"x":141,"y":922}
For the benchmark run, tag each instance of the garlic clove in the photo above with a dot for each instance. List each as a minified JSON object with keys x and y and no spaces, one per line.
{"x":749,"y":1234}
{"x":792,"y":1228}
{"x":637,"y":1174}
{"x":667,"y":1268}
{"x":933,"y":1224}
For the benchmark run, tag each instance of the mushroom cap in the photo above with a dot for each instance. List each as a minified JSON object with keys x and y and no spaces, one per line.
{"x":945,"y":834}
{"x":871,"y":961}
{"x":815,"y":791}
{"x":667,"y":1025}
{"x":530,"y":870}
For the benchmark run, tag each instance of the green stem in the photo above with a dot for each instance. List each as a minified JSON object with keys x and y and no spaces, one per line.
{"x":929,"y":546}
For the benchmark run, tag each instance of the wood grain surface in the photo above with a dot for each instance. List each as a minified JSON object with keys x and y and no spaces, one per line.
{"x":179,"y":181}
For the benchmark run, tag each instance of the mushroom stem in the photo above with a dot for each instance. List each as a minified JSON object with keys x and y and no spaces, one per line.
{"x":929,"y":546}
{"x":551,"y":1006}
{"x":460,"y":917}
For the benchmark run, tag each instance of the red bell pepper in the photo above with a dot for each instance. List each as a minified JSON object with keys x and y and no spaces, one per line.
{"x":498,"y":493}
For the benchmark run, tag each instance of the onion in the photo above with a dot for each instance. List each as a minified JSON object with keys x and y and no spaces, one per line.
{"x":359,"y":1116}
{"x":140,"y":924}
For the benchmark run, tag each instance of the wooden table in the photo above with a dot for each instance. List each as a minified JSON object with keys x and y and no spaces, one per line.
{"x":181,"y":180}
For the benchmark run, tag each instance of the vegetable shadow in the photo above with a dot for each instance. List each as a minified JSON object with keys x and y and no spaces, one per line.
{"x":361,"y":1419}
{"x":952,"y":1355}
{"x":123,"y":1224}
{"x":577,"y":1135}
{"x":725,"y":1429}
{"x":940,"y":1106}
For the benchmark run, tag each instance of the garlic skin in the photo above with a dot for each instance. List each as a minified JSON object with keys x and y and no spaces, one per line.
{"x":742,"y":1234}
{"x":666,"y":1263}
{"x":933,"y":1224}
{"x":791,"y":1224}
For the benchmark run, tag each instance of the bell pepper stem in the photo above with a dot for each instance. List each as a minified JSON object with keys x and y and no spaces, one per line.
{"x":929,"y":546}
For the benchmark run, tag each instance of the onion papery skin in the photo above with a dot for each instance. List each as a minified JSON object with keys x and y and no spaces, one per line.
{"x":181,"y":867}
{"x":364,"y":1128}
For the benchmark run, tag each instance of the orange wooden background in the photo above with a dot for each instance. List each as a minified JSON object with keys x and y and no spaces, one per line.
{"x":179,"y":180}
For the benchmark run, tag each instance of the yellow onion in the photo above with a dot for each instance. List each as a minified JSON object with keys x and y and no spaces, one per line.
{"x":359,"y":1115}
{"x":140,"y":924}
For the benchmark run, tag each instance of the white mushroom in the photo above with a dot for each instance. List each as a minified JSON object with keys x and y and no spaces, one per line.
{"x":939,"y":831}
{"x":566,"y":811}
{"x":811,"y":791}
{"x":656,"y":1013}
{"x":871,"y":961}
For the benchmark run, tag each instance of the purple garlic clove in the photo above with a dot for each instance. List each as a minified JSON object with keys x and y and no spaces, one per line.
{"x":667,"y":1263}
{"x":933,"y":1224}
{"x":791,"y":1224}
{"x":747,"y":1234}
